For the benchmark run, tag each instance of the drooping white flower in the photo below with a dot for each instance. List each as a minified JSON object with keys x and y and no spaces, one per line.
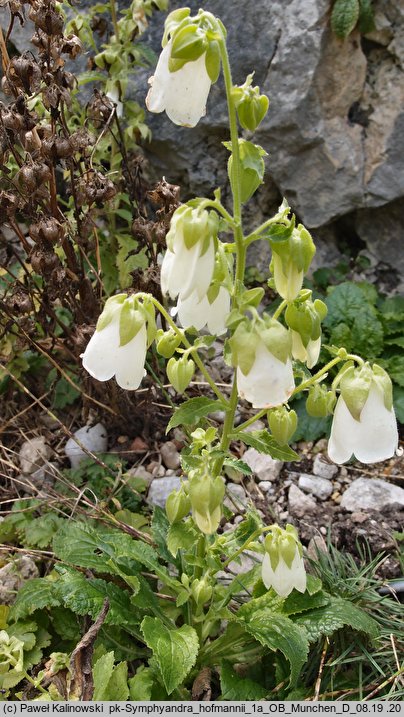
{"x":306,"y":354}
{"x":284,"y":579}
{"x":182,"y":94}
{"x":372,"y":438}
{"x":118,"y":346}
{"x":283,"y":565}
{"x":269,"y":382}
{"x":288,"y":284}
{"x":199,"y":313}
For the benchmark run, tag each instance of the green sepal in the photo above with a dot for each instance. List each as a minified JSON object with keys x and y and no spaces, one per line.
{"x":201,"y":591}
{"x":212,"y":60}
{"x":131,"y":321}
{"x":283,"y":424}
{"x":320,"y":402}
{"x":250,"y":297}
{"x":175,"y":65}
{"x":277,"y":339}
{"x":167,"y":342}
{"x":174,"y":21}
{"x":383,"y":381}
{"x":304,"y":318}
{"x":189,"y":43}
{"x":355,"y":386}
{"x":366,"y":21}
{"x":178,"y":505}
{"x":243,"y":345}
{"x":149,"y":313}
{"x":252,"y":109}
{"x":180,"y":372}
{"x":111,"y":306}
{"x":252,"y":168}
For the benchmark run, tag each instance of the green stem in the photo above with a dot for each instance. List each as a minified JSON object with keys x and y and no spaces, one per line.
{"x":251,"y":420}
{"x":214,"y":204}
{"x":280,"y":308}
{"x":114,"y":19}
{"x":325,"y":369}
{"x":253,"y":536}
{"x":256,"y":234}
{"x":200,"y":553}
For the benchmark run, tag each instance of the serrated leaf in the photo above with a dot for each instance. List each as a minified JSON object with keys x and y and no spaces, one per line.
{"x":35,"y":594}
{"x":79,"y":544}
{"x":175,"y":651}
{"x":329,"y":618}
{"x":345,"y":15}
{"x":278,"y":632}
{"x":297,"y":602}
{"x":238,"y":465}
{"x":127,"y":262}
{"x":193,"y":410}
{"x":86,"y":596}
{"x":181,"y":536}
{"x":398,"y":402}
{"x":237,"y":689}
{"x":352,"y":321}
{"x":40,"y":532}
{"x":263,"y":442}
{"x":102,"y":672}
{"x":141,"y":685}
{"x":160,"y":527}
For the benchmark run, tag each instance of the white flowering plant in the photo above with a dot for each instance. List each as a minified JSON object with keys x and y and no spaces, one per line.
{"x":273,"y":356}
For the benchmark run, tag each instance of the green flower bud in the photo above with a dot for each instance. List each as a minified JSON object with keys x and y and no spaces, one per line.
{"x":320,"y":402}
{"x":252,"y":168}
{"x":251,"y":106}
{"x":291,"y":259}
{"x":206,"y":496}
{"x":167,"y":342}
{"x":180,"y":372}
{"x":178,"y":505}
{"x":283,"y":424}
{"x":201,"y":591}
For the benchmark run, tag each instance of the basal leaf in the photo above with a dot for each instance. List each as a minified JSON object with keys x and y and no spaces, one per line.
{"x":79,"y":544}
{"x":175,"y":651}
{"x":141,"y":685}
{"x":263,"y":442}
{"x":237,"y":689}
{"x":325,"y":620}
{"x":102,"y":672}
{"x":193,"y":410}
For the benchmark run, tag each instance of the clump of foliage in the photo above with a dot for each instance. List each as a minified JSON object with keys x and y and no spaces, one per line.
{"x":350,"y":14}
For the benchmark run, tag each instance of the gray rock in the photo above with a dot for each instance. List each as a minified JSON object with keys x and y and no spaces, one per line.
{"x":384,"y":227}
{"x":140,"y":472}
{"x":324,"y":469}
{"x":264,"y":467}
{"x":300,"y":504}
{"x":14,"y":575}
{"x":170,"y":455}
{"x":160,"y":489}
{"x":94,"y":438}
{"x":266,"y":486}
{"x":371,"y":494}
{"x":41,"y":479}
{"x":236,"y":497}
{"x":320,"y":487}
{"x":33,"y":454}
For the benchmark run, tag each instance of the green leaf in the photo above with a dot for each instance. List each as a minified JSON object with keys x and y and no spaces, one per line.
{"x":40,"y":532}
{"x":80,"y":545}
{"x":237,"y":689}
{"x":86,"y":596}
{"x":352,"y":321}
{"x":160,"y":528}
{"x":193,"y":410}
{"x":263,"y":442}
{"x":181,"y":536}
{"x":297,"y":602}
{"x":325,"y":620}
{"x":102,"y":673}
{"x":278,"y":632}
{"x":238,"y":465}
{"x":35,"y":594}
{"x":112,"y":684}
{"x":175,"y":651}
{"x":345,"y":15}
{"x":126,"y":261}
{"x":141,"y":685}
{"x":395,"y":368}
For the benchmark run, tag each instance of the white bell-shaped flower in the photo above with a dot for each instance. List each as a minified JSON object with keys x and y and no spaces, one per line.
{"x":199,"y":313}
{"x":185,"y":271}
{"x":306,"y":354}
{"x":372,"y":438}
{"x":118,"y":346}
{"x":269,"y":382}
{"x":182,"y":94}
{"x":284,"y":578}
{"x":287,"y":284}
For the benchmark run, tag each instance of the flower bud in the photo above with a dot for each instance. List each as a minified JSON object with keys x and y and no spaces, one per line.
{"x":201,"y":591}
{"x":180,"y":372}
{"x":206,"y":496}
{"x":178,"y":505}
{"x":320,"y":402}
{"x":167,"y":342}
{"x":291,"y":258}
{"x":283,"y":424}
{"x":252,"y":168}
{"x":251,"y":106}
{"x":282,"y":566}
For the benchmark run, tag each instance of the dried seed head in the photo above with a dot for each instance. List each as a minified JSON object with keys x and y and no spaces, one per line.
{"x":48,"y":230}
{"x":46,"y":18}
{"x":24,"y":73}
{"x":71,"y":46}
{"x":94,"y":187}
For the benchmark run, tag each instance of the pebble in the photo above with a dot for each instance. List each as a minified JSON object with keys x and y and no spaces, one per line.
{"x":170,"y":455}
{"x":320,"y":446}
{"x":41,"y":479}
{"x":324,"y":469}
{"x":256,"y":426}
{"x":284,"y":515}
{"x":33,"y":454}
{"x":265,"y":467}
{"x":140,"y":472}
{"x":320,"y":487}
{"x":160,"y":489}
{"x":94,"y":438}
{"x":299,"y":504}
{"x":266,"y":486}
{"x":218,"y":416}
{"x":317,"y":544}
{"x":323,"y":530}
{"x":371,"y":494}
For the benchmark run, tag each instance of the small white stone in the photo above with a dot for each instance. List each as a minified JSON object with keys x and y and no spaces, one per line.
{"x":140,"y":472}
{"x":265,"y":467}
{"x":170,"y":455}
{"x":266,"y":486}
{"x":33,"y":454}
{"x":320,"y":487}
{"x":324,"y":469}
{"x":94,"y":438}
{"x":371,"y":494}
{"x":300,"y":504}
{"x":161,"y":488}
